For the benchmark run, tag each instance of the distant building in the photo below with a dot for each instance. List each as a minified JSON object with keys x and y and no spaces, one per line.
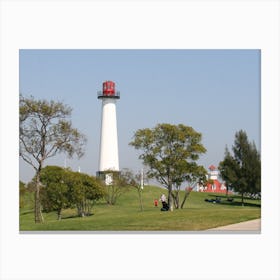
{"x":216,"y":186}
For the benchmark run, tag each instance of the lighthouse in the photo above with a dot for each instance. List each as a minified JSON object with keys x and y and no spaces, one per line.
{"x":109,"y":155}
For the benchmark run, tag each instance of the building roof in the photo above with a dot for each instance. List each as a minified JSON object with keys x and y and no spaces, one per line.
{"x":212,"y":167}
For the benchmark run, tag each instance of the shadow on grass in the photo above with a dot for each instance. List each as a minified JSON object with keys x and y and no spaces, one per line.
{"x":26,"y":212}
{"x":76,"y":217}
{"x":239,"y":203}
{"x":236,"y":201}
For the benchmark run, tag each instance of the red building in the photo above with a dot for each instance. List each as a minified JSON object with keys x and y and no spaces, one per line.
{"x":216,"y":186}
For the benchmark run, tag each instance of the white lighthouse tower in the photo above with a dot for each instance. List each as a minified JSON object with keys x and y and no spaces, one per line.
{"x":109,"y":155}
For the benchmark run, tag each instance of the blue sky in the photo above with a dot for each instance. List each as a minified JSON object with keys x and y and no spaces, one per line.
{"x":217,"y":92}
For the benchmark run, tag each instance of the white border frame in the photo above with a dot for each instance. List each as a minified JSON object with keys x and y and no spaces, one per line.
{"x":139,"y":24}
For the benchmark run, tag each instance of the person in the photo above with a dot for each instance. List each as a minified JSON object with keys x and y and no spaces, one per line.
{"x":156,"y":202}
{"x":165,"y":206}
{"x":162,"y":198}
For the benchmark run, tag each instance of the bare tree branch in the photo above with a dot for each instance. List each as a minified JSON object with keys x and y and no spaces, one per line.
{"x":44,"y":132}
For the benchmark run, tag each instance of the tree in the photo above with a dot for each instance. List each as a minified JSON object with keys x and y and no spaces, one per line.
{"x":63,"y":188}
{"x":84,"y":190}
{"x":140,"y":181}
{"x":55,"y":191}
{"x":136,"y":181}
{"x":242,"y":170}
{"x":171,"y":152}
{"x":44,"y":131}
{"x":115,"y":185}
{"x":254,"y":170}
{"x":227,"y":169}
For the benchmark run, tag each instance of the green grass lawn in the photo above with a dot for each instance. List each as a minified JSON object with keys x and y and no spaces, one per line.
{"x":126,"y":215}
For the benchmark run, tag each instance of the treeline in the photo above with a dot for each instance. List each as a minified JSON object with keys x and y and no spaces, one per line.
{"x":62,"y":188}
{"x":241,"y":169}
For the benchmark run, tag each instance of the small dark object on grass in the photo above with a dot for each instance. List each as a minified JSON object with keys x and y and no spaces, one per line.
{"x":230,"y":199}
{"x":165,"y":206}
{"x":217,"y":200}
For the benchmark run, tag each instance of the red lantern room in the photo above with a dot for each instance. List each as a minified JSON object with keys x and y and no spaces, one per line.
{"x":108,"y":90}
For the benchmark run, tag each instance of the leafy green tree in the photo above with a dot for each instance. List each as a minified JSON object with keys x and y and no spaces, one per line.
{"x":228,"y":169}
{"x":63,"y":188}
{"x":45,"y":131}
{"x":55,"y":191}
{"x":171,"y":152}
{"x":254,"y":170}
{"x":84,"y":191}
{"x":242,"y":170}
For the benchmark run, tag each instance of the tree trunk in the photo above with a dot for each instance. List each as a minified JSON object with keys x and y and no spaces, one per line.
{"x":37,"y":210}
{"x":170,"y":199}
{"x":187,"y":193}
{"x":242,"y":199}
{"x":176,"y":199}
{"x":140,"y":199}
{"x":81,"y":210}
{"x":59,"y":214}
{"x":184,"y":200}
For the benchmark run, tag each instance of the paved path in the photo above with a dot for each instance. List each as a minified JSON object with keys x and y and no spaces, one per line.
{"x":253,"y":225}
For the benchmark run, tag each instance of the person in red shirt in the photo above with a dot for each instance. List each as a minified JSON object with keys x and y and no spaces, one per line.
{"x":156,"y":202}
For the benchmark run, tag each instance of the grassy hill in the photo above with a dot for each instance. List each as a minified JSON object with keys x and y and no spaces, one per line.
{"x":126,"y":215}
